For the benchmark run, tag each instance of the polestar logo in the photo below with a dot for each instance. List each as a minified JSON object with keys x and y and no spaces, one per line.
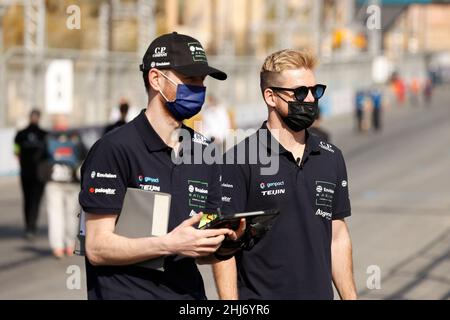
{"x":102,"y":190}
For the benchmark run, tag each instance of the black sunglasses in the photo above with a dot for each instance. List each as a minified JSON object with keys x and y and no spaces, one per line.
{"x":301,"y":93}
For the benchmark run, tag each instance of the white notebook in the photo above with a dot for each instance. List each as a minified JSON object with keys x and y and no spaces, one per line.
{"x":144,"y":213}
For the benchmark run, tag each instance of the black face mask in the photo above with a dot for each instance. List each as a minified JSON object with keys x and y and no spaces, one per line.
{"x":301,"y":115}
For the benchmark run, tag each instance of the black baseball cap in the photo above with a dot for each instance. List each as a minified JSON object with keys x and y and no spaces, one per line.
{"x":181,"y":53}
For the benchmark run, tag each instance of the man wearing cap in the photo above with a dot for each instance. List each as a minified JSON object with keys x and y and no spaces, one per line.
{"x":140,"y":154}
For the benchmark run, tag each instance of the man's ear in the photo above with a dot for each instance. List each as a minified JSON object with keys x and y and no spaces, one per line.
{"x":153,"y":79}
{"x":269,"y":97}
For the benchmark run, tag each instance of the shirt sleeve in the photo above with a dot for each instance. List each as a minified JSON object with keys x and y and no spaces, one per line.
{"x":341,"y":206}
{"x":104,"y":179}
{"x":234,"y":188}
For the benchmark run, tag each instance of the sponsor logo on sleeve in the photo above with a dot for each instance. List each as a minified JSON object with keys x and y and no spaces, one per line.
{"x":325,"y":193}
{"x":198,"y":138}
{"x":103,"y":175}
{"x":326,"y":146}
{"x":107,"y":191}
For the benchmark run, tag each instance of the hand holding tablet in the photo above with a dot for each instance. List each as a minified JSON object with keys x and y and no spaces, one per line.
{"x":257,"y":224}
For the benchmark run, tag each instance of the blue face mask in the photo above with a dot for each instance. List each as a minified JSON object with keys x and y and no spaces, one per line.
{"x":188,"y":102}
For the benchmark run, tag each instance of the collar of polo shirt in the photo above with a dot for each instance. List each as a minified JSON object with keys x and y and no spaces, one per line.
{"x":312,"y":142}
{"x":152,"y":140}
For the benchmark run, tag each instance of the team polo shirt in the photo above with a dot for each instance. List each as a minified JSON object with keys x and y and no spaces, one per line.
{"x":293,"y":259}
{"x":134,"y":156}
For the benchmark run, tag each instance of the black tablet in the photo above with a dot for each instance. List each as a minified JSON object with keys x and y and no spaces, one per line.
{"x":262,"y":217}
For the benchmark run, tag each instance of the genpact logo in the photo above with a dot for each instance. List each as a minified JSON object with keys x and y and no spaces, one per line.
{"x":150,"y":179}
{"x":275,"y":184}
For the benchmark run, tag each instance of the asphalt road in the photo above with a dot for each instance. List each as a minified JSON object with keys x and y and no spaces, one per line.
{"x":399,"y":181}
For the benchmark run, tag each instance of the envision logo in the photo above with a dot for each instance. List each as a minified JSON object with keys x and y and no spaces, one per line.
{"x":103,"y":175}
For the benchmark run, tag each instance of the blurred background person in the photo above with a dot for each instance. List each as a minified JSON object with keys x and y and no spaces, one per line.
{"x":29,"y":147}
{"x":399,"y":88}
{"x":65,"y":153}
{"x":123,"y":109}
{"x":428,"y":92}
{"x":414,"y":92}
{"x":360,"y":97}
{"x":376,"y":98}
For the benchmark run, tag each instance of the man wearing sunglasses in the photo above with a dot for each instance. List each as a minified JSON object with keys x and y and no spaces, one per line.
{"x":308,"y":246}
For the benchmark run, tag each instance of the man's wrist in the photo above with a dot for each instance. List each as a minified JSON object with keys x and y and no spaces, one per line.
{"x":220,"y":257}
{"x":162,"y":244}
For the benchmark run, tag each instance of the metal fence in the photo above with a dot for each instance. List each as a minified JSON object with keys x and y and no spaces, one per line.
{"x":101,"y":80}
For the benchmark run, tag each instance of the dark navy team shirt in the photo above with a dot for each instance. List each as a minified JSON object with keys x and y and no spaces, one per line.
{"x":293,"y":260}
{"x":134,"y":156}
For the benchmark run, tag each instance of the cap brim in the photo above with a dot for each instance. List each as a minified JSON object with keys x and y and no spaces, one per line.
{"x":201,"y":70}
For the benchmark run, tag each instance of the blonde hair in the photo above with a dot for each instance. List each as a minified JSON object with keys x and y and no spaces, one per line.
{"x":279,"y":61}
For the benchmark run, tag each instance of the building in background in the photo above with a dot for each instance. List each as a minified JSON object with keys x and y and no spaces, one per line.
{"x":237,"y":34}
